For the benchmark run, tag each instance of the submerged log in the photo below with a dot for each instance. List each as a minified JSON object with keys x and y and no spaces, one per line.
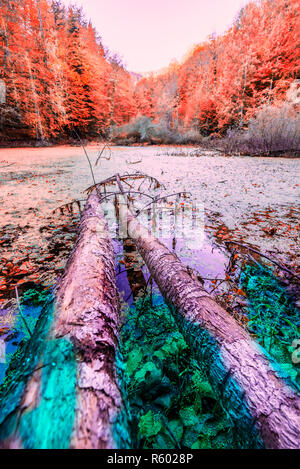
{"x":62,"y":391}
{"x":256,"y":394}
{"x":135,"y":275}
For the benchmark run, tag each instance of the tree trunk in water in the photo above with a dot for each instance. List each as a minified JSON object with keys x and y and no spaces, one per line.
{"x":135,"y":275}
{"x":63,"y":390}
{"x":252,"y":389}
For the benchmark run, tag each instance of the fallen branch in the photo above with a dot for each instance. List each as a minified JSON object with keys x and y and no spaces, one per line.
{"x":125,"y":177}
{"x":7,"y":165}
{"x":63,"y":390}
{"x":88,"y":159}
{"x":159,"y":198}
{"x":69,"y":206}
{"x":101,"y":152}
{"x":20,"y":312}
{"x":282,"y":267}
{"x":133,"y":162}
{"x":126,"y":192}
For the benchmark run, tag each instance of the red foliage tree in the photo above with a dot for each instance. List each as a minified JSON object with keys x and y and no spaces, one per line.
{"x":226,"y":79}
{"x":57,"y":77}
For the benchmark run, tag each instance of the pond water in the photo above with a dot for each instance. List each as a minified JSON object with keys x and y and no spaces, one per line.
{"x":239,"y":197}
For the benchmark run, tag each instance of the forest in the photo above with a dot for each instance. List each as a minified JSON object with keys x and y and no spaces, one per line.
{"x":60,"y":79}
{"x":149,"y":237}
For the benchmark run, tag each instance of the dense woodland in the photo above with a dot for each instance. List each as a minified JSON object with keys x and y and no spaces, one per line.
{"x":60,"y":78}
{"x":226,"y":79}
{"x":57,"y":74}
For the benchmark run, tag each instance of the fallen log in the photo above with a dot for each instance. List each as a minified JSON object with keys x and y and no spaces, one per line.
{"x":252,"y":389}
{"x":62,"y":391}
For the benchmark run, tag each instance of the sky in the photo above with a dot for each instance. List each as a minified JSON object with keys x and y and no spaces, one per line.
{"x":149,"y":34}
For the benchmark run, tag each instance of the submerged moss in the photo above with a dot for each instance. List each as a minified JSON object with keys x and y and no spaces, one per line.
{"x":35,"y":297}
{"x":172,"y":403}
{"x":273,"y":318}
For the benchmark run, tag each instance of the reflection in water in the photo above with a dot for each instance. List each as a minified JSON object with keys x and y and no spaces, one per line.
{"x":133,"y":269}
{"x":207,"y":260}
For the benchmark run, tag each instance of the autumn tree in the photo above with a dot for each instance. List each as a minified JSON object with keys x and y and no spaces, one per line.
{"x":57,"y":74}
{"x":226,"y":79}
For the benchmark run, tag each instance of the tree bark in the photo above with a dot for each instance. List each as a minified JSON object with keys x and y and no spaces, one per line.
{"x":255,"y":393}
{"x":63,"y":391}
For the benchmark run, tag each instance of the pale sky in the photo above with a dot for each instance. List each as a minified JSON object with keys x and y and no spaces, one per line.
{"x":149,"y":34}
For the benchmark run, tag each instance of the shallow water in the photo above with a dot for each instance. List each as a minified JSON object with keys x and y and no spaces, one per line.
{"x":231,"y":190}
{"x":239,"y":198}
